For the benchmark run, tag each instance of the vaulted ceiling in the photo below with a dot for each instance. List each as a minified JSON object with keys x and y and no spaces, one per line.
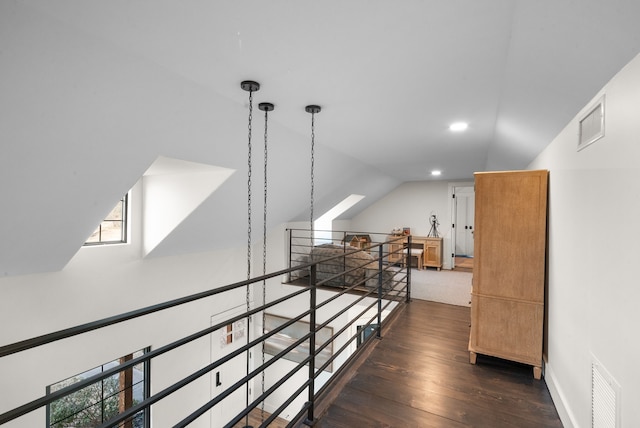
{"x":93,"y":92}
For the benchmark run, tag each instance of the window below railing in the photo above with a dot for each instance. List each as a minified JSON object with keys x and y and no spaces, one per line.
{"x":104,"y":399}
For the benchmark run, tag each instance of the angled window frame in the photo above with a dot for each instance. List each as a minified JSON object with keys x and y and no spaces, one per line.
{"x":119,"y":216}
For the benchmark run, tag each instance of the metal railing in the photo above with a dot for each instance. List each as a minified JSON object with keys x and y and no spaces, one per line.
{"x":366,"y":307}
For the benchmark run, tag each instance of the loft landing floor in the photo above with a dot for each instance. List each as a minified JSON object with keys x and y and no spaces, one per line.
{"x":419,"y":375}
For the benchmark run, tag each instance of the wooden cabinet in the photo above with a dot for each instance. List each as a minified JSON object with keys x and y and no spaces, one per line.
{"x":431,"y":250}
{"x":433,"y":253}
{"x":507,"y":299}
{"x":396,"y":245}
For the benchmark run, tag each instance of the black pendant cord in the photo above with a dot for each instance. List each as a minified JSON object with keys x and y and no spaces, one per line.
{"x":313,"y":109}
{"x":251,"y":87}
{"x":266,"y":107}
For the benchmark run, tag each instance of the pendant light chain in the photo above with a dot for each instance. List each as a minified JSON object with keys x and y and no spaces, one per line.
{"x":266,"y":107}
{"x":248,"y":293}
{"x":251,"y":87}
{"x":313,"y":109}
{"x":313,"y":160}
{"x":264,"y":230}
{"x":264,"y":256}
{"x":249,"y":193}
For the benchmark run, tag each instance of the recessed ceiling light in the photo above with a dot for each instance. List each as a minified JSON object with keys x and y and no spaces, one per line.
{"x":458,"y":126}
{"x":436,"y":172}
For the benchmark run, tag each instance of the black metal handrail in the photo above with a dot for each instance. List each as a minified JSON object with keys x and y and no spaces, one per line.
{"x":397,"y":292}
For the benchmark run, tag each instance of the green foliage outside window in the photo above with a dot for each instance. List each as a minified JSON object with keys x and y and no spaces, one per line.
{"x":101,"y":401}
{"x":85,"y":408}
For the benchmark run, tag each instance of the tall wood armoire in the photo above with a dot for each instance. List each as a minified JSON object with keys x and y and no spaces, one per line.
{"x":507,"y":299}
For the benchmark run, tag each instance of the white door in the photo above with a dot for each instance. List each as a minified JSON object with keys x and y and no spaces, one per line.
{"x":223,"y":341}
{"x":464,"y":218}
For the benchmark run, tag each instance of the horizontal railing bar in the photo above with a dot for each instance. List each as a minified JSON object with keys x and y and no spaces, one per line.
{"x":147,"y":403}
{"x":276,"y":413}
{"x":352,"y":287}
{"x":337,"y":232}
{"x":335,"y":354}
{"x":350,"y":358}
{"x":195,"y":375}
{"x":342,"y":330}
{"x":20,"y":411}
{"x":287,"y":402}
{"x":344,"y":291}
{"x":279,"y":410}
{"x":224,"y":394}
{"x":326,"y":323}
{"x":345,"y":309}
{"x":334,"y":277}
{"x":269,"y":391}
{"x":342,"y":273}
{"x":94,"y":325}
{"x":105,"y":322}
{"x":47,"y":399}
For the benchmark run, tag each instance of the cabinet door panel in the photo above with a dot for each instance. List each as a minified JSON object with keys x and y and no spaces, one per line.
{"x":510,"y":234}
{"x":433,"y":252}
{"x":507,"y":329}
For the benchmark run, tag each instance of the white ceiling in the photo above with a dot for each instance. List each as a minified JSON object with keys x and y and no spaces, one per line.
{"x":135,"y":80}
{"x":390,"y":76}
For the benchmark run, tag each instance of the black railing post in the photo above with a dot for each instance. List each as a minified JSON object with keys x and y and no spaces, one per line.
{"x":378,"y":332}
{"x":408,"y":268}
{"x":314,"y":366}
{"x":290,"y":232}
{"x":312,"y":344}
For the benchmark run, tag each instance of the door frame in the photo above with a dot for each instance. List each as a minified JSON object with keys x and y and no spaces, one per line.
{"x":214,"y":341}
{"x":449,"y":254}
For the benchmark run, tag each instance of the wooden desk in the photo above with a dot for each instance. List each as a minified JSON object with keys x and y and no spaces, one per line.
{"x":431,"y":254}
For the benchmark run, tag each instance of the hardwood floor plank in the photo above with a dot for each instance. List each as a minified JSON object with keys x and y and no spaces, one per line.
{"x":396,"y":413}
{"x":256,"y":418}
{"x":419,"y":375}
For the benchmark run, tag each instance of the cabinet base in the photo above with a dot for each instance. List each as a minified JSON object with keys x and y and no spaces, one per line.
{"x":537,"y":373}
{"x":537,"y":370}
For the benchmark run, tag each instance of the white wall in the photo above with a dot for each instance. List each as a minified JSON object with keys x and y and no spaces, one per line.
{"x":594,"y":208}
{"x":101,"y":282}
{"x":410,"y":205}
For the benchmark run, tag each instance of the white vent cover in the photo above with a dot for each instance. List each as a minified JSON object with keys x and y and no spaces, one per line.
{"x":592,"y":125}
{"x":605,"y":396}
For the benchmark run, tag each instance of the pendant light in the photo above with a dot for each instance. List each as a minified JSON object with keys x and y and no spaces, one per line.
{"x":251,"y":87}
{"x":313,"y":109}
{"x":266,"y":107}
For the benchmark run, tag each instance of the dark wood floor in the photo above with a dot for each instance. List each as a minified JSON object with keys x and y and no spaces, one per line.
{"x":419,"y":375}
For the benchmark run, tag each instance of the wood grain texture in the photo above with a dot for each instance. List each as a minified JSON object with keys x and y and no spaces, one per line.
{"x":510,"y":235}
{"x":419,"y":375}
{"x":507,"y":309}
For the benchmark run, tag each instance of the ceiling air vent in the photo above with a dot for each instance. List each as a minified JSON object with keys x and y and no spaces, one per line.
{"x":605,"y":397}
{"x":592,"y":125}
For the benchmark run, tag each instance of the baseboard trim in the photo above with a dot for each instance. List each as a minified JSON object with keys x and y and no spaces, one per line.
{"x":558,"y":397}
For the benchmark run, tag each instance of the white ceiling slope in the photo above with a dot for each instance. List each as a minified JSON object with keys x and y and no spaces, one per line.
{"x":92,"y":92}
